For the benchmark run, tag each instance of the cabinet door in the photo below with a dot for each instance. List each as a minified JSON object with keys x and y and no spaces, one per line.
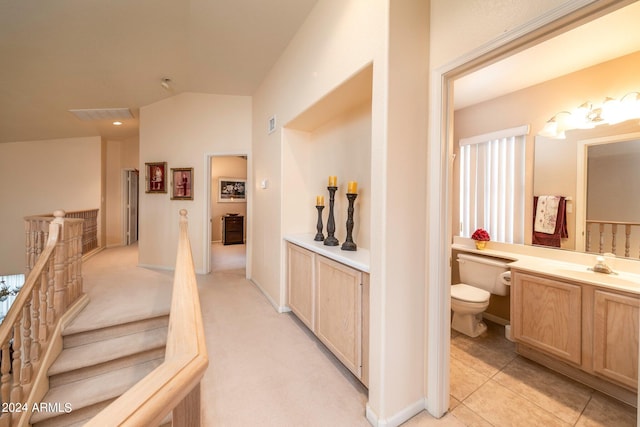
{"x":615,"y":337}
{"x":300,"y":283}
{"x":339,"y":311}
{"x":546,"y":314}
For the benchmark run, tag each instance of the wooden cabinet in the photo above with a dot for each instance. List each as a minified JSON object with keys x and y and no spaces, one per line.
{"x":232,"y":230}
{"x":547,"y":315}
{"x":339,"y":314}
{"x":615,"y":337}
{"x":300,"y":284}
{"x":587,"y":332}
{"x":332,"y":300}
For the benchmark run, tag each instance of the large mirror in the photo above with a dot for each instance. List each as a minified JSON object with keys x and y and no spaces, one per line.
{"x":587,"y":64}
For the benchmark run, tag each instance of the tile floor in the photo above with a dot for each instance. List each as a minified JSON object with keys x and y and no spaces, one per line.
{"x":492,"y":386}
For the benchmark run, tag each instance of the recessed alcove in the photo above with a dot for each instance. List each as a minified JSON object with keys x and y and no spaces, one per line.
{"x":331,"y":137}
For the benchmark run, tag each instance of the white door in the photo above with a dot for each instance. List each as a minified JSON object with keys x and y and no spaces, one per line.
{"x":131,"y":207}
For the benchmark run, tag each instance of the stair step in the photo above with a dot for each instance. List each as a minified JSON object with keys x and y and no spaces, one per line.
{"x":94,"y":358}
{"x":83,"y":394}
{"x":76,"y":336}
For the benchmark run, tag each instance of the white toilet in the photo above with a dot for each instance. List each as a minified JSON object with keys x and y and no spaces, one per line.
{"x":481,"y":277}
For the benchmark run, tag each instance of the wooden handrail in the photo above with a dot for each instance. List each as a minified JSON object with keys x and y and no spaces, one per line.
{"x":52,"y":283}
{"x":175,"y":384}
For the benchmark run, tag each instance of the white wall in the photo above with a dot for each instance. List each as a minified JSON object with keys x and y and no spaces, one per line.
{"x":121,"y":155}
{"x":39,"y":177}
{"x":338,"y":40}
{"x":183,"y":131}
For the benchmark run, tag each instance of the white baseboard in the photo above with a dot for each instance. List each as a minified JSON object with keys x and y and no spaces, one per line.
{"x":399,"y":417}
{"x":278,"y":308}
{"x":156,"y":267}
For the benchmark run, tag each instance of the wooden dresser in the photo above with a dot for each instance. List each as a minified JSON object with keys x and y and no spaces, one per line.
{"x":232,"y":230}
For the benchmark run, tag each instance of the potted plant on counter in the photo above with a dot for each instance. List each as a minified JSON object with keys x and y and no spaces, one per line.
{"x":481,"y":237}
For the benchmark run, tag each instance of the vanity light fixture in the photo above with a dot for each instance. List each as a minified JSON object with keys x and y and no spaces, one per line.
{"x":117,"y":123}
{"x":555,"y":126}
{"x":588,"y":116}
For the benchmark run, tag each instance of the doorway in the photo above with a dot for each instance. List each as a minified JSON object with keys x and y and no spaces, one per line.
{"x":228,"y":217}
{"x":130,"y":206}
{"x":441,"y":174}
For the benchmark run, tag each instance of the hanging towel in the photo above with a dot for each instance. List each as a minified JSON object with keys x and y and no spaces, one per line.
{"x":546,"y":214}
{"x":559,"y":221}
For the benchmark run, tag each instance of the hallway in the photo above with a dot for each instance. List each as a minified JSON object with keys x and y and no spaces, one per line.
{"x":267,"y":369}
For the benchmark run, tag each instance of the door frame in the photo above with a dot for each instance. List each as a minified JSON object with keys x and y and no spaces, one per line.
{"x":568,"y":15}
{"x":207,"y":208}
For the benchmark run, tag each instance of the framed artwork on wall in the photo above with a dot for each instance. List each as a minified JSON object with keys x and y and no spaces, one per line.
{"x":181,"y":183}
{"x":232,"y":190}
{"x":156,"y":177}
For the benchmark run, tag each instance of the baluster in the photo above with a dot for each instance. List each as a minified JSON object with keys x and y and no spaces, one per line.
{"x":627,"y":240}
{"x":51,"y":314}
{"x":27,"y":369}
{"x":601,"y":248}
{"x":5,"y":381}
{"x":614,"y":231}
{"x":16,"y":368}
{"x":588,"y":244}
{"x":59,"y":272}
{"x":35,"y":320}
{"x":44,"y":284}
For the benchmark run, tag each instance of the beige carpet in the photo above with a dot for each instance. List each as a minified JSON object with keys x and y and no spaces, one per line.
{"x":265,"y":369}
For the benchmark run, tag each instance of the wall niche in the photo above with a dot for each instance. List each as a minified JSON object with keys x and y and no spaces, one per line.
{"x":331,"y":137}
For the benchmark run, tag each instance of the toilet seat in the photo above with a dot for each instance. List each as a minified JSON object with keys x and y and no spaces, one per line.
{"x":464,"y":292}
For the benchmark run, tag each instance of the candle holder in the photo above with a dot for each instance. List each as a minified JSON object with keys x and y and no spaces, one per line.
{"x":319,"y":236}
{"x":331,"y":222}
{"x":349,"y":244}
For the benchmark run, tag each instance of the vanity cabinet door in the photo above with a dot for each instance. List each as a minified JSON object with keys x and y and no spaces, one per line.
{"x":615,"y":337}
{"x":546,"y":314}
{"x":339,"y":311}
{"x":300,"y":283}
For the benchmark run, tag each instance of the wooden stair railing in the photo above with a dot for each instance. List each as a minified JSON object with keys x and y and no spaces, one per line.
{"x":89,"y":235}
{"x":53,"y":282}
{"x":174,"y":386}
{"x":608,"y":231}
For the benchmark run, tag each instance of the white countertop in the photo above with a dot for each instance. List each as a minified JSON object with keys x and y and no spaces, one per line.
{"x":622,"y":281}
{"x":360,"y":259}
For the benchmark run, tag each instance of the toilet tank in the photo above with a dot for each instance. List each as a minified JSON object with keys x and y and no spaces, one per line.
{"x":484,"y":273}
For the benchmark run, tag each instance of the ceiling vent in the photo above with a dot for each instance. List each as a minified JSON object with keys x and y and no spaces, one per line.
{"x":102,"y":114}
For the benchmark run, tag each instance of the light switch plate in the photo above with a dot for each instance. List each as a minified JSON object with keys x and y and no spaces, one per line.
{"x":271,"y":126}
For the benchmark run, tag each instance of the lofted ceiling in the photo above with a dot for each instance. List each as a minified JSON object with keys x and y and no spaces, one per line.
{"x":89,"y":54}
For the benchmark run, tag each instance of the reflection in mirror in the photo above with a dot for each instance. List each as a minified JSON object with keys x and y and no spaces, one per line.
{"x":550,"y":164}
{"x":597,"y":170}
{"x":589,"y":63}
{"x":612,"y":223}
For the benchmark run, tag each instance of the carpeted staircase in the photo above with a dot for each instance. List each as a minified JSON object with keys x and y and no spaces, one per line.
{"x":98,"y":364}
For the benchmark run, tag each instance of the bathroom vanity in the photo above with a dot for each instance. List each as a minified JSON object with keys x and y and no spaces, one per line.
{"x":583,"y":324}
{"x":584,"y":330}
{"x":328,"y":290}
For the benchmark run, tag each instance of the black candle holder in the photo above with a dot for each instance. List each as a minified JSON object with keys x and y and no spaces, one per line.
{"x":319,"y":236}
{"x":349,"y":244}
{"x":331,"y":222}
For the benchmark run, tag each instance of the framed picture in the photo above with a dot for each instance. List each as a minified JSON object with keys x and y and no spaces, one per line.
{"x":181,"y":183}
{"x":156,"y":177}
{"x":232,"y":190}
